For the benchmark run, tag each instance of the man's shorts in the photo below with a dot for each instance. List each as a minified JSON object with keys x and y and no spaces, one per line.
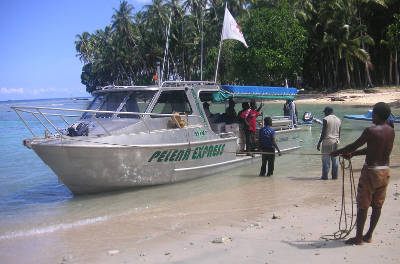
{"x":372,"y":186}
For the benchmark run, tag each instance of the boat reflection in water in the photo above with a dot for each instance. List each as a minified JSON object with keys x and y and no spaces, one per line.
{"x":133,"y":136}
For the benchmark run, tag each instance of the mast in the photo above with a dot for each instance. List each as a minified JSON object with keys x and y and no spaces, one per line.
{"x":202,"y":37}
{"x":166,"y":48}
{"x":220,"y":45}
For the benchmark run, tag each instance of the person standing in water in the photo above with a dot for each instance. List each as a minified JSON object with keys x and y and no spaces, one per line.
{"x":330,"y":136}
{"x":268,"y":144}
{"x":375,"y":173}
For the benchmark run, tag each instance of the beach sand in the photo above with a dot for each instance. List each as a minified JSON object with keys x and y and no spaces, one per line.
{"x":353,"y":97}
{"x":273,"y":220}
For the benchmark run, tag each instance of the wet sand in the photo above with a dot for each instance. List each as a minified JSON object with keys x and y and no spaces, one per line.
{"x":271,"y":220}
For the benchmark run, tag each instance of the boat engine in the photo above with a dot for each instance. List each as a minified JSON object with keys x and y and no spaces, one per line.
{"x":307,"y":117}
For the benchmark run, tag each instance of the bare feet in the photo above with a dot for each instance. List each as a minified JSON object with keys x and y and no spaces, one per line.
{"x":367,"y":238}
{"x":354,"y":241}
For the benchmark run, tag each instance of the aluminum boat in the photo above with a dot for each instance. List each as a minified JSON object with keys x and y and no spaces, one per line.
{"x":131,"y":136}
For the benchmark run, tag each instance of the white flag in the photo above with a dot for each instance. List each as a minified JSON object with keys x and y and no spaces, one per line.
{"x":231,"y":30}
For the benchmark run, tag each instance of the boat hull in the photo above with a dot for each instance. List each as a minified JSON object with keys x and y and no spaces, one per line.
{"x":93,"y":169}
{"x":87,"y":169}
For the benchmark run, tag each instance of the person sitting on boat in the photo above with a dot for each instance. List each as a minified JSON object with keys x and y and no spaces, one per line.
{"x":250,"y":118}
{"x":212,"y":118}
{"x":207,"y":111}
{"x":230,"y":113}
{"x":268,"y":144}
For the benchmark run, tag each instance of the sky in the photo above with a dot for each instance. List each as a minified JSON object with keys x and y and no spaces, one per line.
{"x":37,"y":45}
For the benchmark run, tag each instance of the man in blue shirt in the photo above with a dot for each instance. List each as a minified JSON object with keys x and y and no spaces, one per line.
{"x":268,"y":144}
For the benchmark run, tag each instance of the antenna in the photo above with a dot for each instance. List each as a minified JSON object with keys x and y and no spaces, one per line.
{"x":202,"y":36}
{"x":166,"y":47}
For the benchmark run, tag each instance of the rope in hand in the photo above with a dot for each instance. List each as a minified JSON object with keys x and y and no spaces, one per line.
{"x":348,"y":225}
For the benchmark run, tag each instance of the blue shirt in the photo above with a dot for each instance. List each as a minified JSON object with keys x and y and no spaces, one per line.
{"x":266,"y":135}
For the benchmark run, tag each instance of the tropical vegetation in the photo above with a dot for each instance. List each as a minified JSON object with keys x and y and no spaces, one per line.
{"x":314,"y":44}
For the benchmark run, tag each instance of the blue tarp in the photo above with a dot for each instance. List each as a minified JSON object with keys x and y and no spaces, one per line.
{"x":254,"y":92}
{"x":259,"y":90}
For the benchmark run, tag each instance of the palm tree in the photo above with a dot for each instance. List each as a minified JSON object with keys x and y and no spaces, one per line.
{"x":84,"y":47}
{"x":350,"y":48}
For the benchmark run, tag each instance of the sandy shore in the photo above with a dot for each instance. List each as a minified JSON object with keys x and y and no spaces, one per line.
{"x":271,"y":220}
{"x":353,"y":97}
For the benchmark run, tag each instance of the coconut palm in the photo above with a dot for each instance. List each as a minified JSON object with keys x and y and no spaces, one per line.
{"x":84,"y":47}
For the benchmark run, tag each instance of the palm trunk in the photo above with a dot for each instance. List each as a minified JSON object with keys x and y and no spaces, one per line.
{"x":396,"y":68}
{"x":360,"y":82}
{"x":391,"y":68}
{"x":368,"y":75}
{"x":336,"y":70}
{"x":347,"y":73}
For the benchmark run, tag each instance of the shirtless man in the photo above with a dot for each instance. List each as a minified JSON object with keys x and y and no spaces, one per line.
{"x":375,"y":174}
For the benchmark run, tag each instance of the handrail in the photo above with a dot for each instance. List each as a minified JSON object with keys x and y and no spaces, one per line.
{"x":163,"y":84}
{"x":182,"y":83}
{"x":37,"y":111}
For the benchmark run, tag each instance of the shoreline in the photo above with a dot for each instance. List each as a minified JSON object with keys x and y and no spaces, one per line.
{"x":367,"y":97}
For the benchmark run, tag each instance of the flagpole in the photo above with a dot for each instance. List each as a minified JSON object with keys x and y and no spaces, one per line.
{"x":202,"y":35}
{"x":220,"y":44}
{"x":219,"y":53}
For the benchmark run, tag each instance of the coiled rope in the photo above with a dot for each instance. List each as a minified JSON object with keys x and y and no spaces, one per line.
{"x":345,"y":225}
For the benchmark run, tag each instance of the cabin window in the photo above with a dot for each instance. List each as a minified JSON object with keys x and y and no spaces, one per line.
{"x":172,"y":101}
{"x":96,"y":104}
{"x":111,"y":103}
{"x":136,"y":102}
{"x":210,"y":108}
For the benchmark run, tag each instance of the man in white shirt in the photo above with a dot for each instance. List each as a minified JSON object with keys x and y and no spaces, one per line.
{"x":330,"y":136}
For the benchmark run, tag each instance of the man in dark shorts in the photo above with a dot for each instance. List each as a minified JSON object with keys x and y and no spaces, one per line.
{"x":268,"y":145}
{"x":375,"y":174}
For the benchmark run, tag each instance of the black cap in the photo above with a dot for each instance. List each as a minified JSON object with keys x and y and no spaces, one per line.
{"x":328,"y":110}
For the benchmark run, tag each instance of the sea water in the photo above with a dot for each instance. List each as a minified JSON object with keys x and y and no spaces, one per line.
{"x":32,"y":201}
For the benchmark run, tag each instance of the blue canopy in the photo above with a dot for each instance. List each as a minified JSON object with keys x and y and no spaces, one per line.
{"x":254,"y":92}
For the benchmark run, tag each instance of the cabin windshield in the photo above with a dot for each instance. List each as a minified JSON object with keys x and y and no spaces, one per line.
{"x":131,"y":101}
{"x":172,"y":101}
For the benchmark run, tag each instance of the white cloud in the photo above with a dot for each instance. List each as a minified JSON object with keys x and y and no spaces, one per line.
{"x":143,"y":1}
{"x":43,"y":91}
{"x":4,"y":90}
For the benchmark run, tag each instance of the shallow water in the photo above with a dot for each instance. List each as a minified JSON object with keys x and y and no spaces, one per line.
{"x":32,"y":201}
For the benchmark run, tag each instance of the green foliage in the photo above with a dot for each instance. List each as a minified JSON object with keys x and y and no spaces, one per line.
{"x":393,"y":32}
{"x":277,"y":44}
{"x":329,"y":43}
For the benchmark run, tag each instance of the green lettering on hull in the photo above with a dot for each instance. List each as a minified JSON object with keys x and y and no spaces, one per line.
{"x":201,"y":152}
